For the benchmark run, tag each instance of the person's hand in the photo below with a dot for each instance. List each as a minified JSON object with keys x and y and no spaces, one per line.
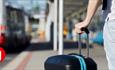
{"x":80,"y":25}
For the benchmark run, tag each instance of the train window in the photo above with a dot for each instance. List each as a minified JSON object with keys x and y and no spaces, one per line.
{"x":14,"y":16}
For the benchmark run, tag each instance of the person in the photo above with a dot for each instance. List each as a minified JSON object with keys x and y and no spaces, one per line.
{"x":2,"y":39}
{"x":50,"y":20}
{"x":109,"y":26}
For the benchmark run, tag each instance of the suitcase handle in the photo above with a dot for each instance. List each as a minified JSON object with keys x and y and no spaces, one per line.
{"x":85,"y":29}
{"x":87,"y":41}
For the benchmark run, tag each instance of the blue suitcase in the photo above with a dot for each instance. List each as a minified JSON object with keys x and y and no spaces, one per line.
{"x":71,"y":61}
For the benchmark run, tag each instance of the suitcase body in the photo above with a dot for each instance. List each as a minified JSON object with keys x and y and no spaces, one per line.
{"x":68,"y":62}
{"x":71,"y":61}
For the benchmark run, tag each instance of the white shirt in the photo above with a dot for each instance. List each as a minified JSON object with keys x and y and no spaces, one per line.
{"x":110,"y":12}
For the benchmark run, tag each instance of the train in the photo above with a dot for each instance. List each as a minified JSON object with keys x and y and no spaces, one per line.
{"x":14,"y":36}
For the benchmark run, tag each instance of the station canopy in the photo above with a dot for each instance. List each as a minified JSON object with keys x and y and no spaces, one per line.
{"x":72,"y":6}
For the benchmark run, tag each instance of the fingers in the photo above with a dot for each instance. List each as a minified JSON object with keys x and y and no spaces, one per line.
{"x":77,"y":30}
{"x":79,"y":26}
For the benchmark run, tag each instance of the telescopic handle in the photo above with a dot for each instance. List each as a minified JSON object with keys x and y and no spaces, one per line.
{"x":87,"y":41}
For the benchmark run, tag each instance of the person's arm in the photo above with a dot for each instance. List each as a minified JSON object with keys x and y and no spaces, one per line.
{"x":92,"y":7}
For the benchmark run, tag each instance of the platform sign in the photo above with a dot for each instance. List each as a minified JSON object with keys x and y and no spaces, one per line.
{"x":2,"y":54}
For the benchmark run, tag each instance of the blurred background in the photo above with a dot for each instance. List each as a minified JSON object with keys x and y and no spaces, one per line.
{"x":33,"y":26}
{"x":74,"y":12}
{"x":34,"y":20}
{"x":21,"y":20}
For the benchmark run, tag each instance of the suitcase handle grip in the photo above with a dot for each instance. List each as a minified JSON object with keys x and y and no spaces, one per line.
{"x":85,"y":29}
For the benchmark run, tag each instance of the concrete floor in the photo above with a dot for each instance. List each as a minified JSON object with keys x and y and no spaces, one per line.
{"x":34,"y":59}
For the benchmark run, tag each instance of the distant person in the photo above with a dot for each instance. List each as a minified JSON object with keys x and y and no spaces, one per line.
{"x":109,"y":27}
{"x":2,"y":39}
{"x":70,"y":28}
{"x":50,"y":20}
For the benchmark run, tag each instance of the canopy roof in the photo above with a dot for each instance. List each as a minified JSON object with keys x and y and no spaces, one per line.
{"x":72,"y":6}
